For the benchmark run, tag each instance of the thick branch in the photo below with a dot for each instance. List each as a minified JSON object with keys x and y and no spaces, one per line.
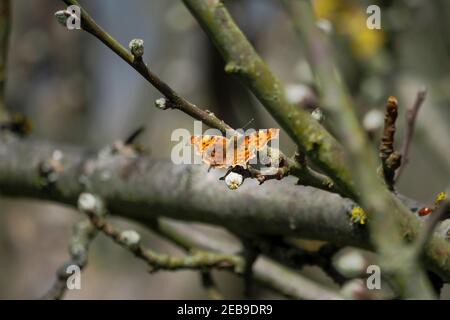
{"x":142,"y":189}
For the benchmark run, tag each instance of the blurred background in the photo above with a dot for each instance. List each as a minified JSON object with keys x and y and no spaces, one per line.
{"x":77,"y":91}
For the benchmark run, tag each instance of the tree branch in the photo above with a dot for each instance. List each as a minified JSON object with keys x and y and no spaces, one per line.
{"x":410,"y":117}
{"x":388,"y":219}
{"x":210,"y":286}
{"x":95,"y":209}
{"x":242,"y":61}
{"x":83,"y":234}
{"x":142,"y":188}
{"x":134,"y":185}
{"x":5,"y":23}
{"x":265,"y":270}
{"x":176,"y":101}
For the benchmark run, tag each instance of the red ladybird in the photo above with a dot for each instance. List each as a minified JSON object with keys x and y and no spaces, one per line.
{"x":425,"y":211}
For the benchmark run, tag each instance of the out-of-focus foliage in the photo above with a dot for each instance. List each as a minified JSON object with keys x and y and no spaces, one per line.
{"x":349,"y":17}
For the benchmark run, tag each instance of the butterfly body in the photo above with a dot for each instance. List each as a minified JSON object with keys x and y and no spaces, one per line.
{"x":221,"y":152}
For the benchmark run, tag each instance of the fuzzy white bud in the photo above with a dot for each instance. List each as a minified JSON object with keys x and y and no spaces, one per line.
{"x":137,"y":47}
{"x":161,"y":103}
{"x":234,"y":180}
{"x":130,"y":238}
{"x":87,"y":202}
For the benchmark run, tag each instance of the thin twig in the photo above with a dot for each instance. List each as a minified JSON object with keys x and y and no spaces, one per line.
{"x":210,"y":286}
{"x":295,"y":257}
{"x":94,"y":208}
{"x":176,"y":101}
{"x":307,"y":175}
{"x":410,"y":119}
{"x":266,"y":271}
{"x":83,"y":234}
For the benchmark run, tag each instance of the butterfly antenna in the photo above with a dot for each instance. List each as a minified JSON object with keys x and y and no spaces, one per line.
{"x":248,"y":123}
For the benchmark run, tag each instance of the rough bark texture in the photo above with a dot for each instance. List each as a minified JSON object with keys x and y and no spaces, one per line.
{"x":142,"y":189}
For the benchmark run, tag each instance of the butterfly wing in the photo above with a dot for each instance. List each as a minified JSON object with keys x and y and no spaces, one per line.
{"x":243,"y":149}
{"x":246,"y":147}
{"x":220,"y":152}
{"x":212,"y":149}
{"x":262,"y":137}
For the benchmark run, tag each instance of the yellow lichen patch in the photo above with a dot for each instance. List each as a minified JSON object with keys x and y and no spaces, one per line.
{"x":441,"y":196}
{"x":358,"y":215}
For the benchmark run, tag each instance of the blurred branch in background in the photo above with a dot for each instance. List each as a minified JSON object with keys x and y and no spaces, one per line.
{"x":210,"y":286}
{"x":387,"y":215}
{"x":95,"y":209}
{"x":410,"y":118}
{"x":268,"y":272}
{"x":5,"y":23}
{"x":79,"y":243}
{"x":141,"y":188}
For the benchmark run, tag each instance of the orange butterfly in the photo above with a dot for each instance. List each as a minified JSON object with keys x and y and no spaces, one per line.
{"x":220,"y":152}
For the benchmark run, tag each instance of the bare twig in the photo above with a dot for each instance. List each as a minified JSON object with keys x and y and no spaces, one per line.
{"x":83,"y":234}
{"x":266,"y":271}
{"x":410,"y":120}
{"x":210,"y":286}
{"x":295,"y":257}
{"x":176,"y":101}
{"x":94,"y":208}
